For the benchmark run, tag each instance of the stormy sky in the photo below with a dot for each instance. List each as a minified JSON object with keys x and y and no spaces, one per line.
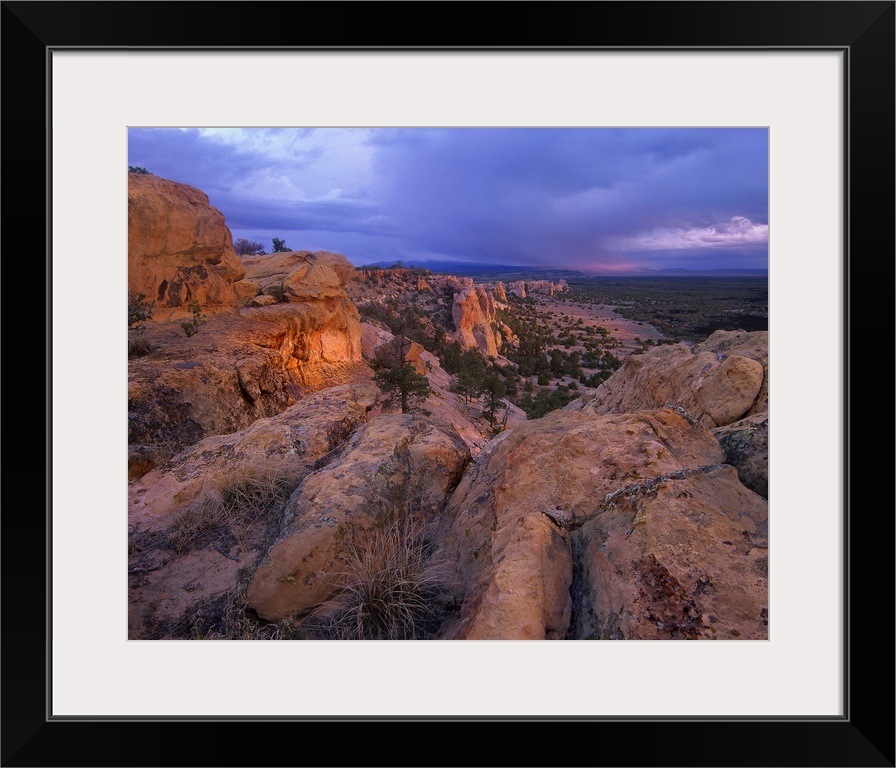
{"x":598,"y":200}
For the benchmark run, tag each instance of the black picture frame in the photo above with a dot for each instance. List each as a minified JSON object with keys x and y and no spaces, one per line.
{"x":864,"y":736}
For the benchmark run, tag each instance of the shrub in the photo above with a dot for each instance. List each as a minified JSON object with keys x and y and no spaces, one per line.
{"x":192,"y":326}
{"x":139,"y":311}
{"x":244,"y":247}
{"x":392,"y":586}
{"x":137,"y":169}
{"x":280,"y":246}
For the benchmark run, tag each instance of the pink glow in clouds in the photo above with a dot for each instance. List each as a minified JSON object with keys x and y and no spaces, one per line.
{"x":739,"y":231}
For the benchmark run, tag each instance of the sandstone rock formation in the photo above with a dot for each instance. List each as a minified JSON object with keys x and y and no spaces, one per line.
{"x":190,"y":529}
{"x":396,"y":465}
{"x":500,"y":292}
{"x":581,"y":526}
{"x":179,"y":247}
{"x":287,"y":445}
{"x":300,"y":276}
{"x":474,"y":314}
{"x":305,"y":336}
{"x":716,"y":387}
{"x":549,"y":287}
{"x":517,"y":288}
{"x":722,"y":382}
{"x":752,"y":345}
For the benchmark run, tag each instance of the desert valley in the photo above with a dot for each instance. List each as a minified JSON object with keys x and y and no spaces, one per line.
{"x":324,"y":451}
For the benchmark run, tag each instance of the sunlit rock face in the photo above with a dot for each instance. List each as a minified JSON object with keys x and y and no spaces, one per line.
{"x":274,"y":328}
{"x":474,"y":316}
{"x":179,"y":247}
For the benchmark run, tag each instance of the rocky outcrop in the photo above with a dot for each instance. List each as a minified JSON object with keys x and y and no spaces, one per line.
{"x":550,"y":287}
{"x":581,"y":526}
{"x":394,"y":466}
{"x":179,"y":247}
{"x":252,"y":364}
{"x":300,"y":276}
{"x":237,"y":369}
{"x":474,"y":314}
{"x":500,"y":292}
{"x":745,"y":443}
{"x":752,"y":345}
{"x":287,"y":445}
{"x":207,"y":513}
{"x":517,"y":288}
{"x":681,"y":556}
{"x":722,"y":382}
{"x":716,"y":386}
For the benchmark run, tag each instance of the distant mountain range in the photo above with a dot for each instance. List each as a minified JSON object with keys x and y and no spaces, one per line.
{"x":468,"y":268}
{"x":519,"y":272}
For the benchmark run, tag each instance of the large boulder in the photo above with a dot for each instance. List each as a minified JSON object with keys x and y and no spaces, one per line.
{"x":394,"y":466}
{"x":300,"y":276}
{"x":717,"y":382}
{"x":521,"y":525}
{"x":179,"y":247}
{"x":752,"y":345}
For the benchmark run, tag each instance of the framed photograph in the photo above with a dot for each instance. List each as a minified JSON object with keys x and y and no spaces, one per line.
{"x":817,"y":76}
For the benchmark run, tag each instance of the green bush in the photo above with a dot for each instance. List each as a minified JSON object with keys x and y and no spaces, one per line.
{"x":192,"y":326}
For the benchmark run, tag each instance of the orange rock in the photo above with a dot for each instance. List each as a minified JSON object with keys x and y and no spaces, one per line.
{"x":179,"y":247}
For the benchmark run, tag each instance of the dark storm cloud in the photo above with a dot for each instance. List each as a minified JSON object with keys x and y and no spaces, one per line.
{"x":548,"y":195}
{"x":581,"y":198}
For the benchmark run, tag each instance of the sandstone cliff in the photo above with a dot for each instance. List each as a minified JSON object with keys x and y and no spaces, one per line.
{"x":179,"y":247}
{"x":241,"y":365}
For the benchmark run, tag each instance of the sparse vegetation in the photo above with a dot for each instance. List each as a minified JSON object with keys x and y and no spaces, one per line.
{"x":201,"y":525}
{"x":403,"y":386}
{"x":244,"y":247}
{"x":280,"y":246}
{"x":393,"y":586}
{"x":140,"y":309}
{"x":192,"y":326}
{"x":137,"y":169}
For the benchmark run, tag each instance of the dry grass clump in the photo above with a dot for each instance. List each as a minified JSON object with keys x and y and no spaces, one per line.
{"x":226,"y":618}
{"x":254,"y":493}
{"x":223,"y":516}
{"x":204,"y":524}
{"x":392,"y":586}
